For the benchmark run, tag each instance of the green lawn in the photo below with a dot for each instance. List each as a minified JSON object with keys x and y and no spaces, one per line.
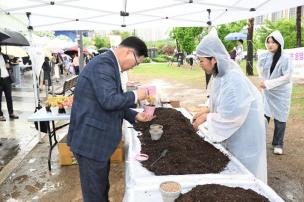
{"x":196,"y":77}
{"x":297,"y":101}
{"x":164,"y":71}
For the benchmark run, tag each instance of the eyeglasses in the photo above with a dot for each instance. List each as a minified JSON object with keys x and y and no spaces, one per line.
{"x":136,"y":62}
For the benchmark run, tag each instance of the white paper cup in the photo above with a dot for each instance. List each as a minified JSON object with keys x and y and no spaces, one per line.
{"x":156,"y":126}
{"x":170,"y":191}
{"x":156,"y":133}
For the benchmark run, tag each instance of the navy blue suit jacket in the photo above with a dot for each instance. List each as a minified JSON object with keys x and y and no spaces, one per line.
{"x":99,"y":107}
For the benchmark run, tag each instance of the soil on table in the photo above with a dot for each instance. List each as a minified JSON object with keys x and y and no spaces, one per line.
{"x":220,"y":193}
{"x":187,"y":152}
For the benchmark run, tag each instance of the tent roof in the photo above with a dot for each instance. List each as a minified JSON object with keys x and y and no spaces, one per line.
{"x":115,"y":14}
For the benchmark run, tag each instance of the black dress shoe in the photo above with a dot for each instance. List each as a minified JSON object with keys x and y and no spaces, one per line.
{"x":13,"y":116}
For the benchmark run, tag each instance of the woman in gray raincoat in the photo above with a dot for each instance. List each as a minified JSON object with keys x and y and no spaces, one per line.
{"x":234,"y":115}
{"x":275,"y":68}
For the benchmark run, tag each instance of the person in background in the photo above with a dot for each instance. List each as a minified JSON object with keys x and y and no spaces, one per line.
{"x":191,"y":60}
{"x":16,"y":71}
{"x":55,"y":64}
{"x":99,"y":107}
{"x":239,"y":51}
{"x":76,"y":64}
{"x":275,"y":69}
{"x":233,"y":53}
{"x":6,"y":86}
{"x":47,"y":72}
{"x":234,"y":116}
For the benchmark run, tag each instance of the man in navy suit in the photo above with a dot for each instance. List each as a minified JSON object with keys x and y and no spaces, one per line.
{"x":99,"y":107}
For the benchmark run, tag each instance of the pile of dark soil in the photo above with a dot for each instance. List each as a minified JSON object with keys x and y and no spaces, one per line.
{"x":187,"y":152}
{"x":220,"y":193}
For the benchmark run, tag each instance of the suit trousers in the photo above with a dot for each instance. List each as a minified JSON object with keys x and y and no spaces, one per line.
{"x":94,"y":179}
{"x":279,"y":131}
{"x":6,"y":86}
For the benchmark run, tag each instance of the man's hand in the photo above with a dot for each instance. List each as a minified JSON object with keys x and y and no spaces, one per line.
{"x":142,"y":93}
{"x":199,"y":120}
{"x":143,"y":117}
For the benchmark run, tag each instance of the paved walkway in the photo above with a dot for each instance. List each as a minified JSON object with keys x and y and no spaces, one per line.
{"x":19,"y":136}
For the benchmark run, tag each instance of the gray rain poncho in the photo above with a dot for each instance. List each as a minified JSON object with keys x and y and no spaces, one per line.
{"x":277,"y":94}
{"x":236,"y":117}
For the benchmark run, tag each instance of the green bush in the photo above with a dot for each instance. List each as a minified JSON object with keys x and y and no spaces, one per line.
{"x":147,"y":60}
{"x":162,"y":58}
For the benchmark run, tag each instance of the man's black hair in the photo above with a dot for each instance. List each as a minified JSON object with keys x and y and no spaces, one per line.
{"x":241,"y":40}
{"x":137,"y":44}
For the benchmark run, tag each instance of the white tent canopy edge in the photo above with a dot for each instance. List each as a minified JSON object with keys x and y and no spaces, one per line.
{"x":117,"y":14}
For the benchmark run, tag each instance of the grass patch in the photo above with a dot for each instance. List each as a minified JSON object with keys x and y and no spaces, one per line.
{"x":170,"y":72}
{"x":297,"y":101}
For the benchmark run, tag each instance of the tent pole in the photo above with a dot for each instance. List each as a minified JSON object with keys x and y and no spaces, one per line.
{"x":30,"y":29}
{"x":80,"y":54}
{"x":208,"y":76}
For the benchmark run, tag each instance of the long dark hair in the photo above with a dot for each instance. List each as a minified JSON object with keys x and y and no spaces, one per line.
{"x":215,"y":66}
{"x":276,"y":56}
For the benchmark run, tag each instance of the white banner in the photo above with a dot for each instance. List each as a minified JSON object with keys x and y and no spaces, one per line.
{"x":297,"y":57}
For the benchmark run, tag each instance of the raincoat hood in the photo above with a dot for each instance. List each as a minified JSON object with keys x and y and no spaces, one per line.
{"x":211,"y":46}
{"x":277,"y":36}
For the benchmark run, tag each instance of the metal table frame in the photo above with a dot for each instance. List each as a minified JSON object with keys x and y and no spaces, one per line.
{"x":43,"y":115}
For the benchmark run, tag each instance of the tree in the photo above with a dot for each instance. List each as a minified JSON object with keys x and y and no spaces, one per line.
{"x":186,"y":37}
{"x":101,"y":42}
{"x":87,"y":42}
{"x":49,"y":34}
{"x":167,"y":50}
{"x":123,"y":34}
{"x":249,"y":63}
{"x":225,"y":29}
{"x":298,"y":26}
{"x":286,"y":26}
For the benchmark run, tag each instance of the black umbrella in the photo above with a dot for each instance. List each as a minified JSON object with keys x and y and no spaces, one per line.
{"x":16,"y":39}
{"x":3,"y":35}
{"x":102,"y":50}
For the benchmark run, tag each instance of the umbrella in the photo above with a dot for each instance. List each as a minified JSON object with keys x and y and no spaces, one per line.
{"x":235,"y":36}
{"x":16,"y":39}
{"x":3,"y":35}
{"x":15,"y":51}
{"x":75,"y":49}
{"x":102,"y":50}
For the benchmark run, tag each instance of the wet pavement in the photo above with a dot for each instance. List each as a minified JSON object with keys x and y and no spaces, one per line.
{"x":18,"y":136}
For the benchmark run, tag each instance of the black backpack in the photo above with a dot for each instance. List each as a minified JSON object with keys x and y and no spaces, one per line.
{"x":43,"y":124}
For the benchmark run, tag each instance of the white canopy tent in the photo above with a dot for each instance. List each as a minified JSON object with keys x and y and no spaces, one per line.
{"x":116,"y":14}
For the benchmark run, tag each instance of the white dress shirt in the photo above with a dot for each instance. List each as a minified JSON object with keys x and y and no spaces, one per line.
{"x":4,"y":72}
{"x":124,"y":78}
